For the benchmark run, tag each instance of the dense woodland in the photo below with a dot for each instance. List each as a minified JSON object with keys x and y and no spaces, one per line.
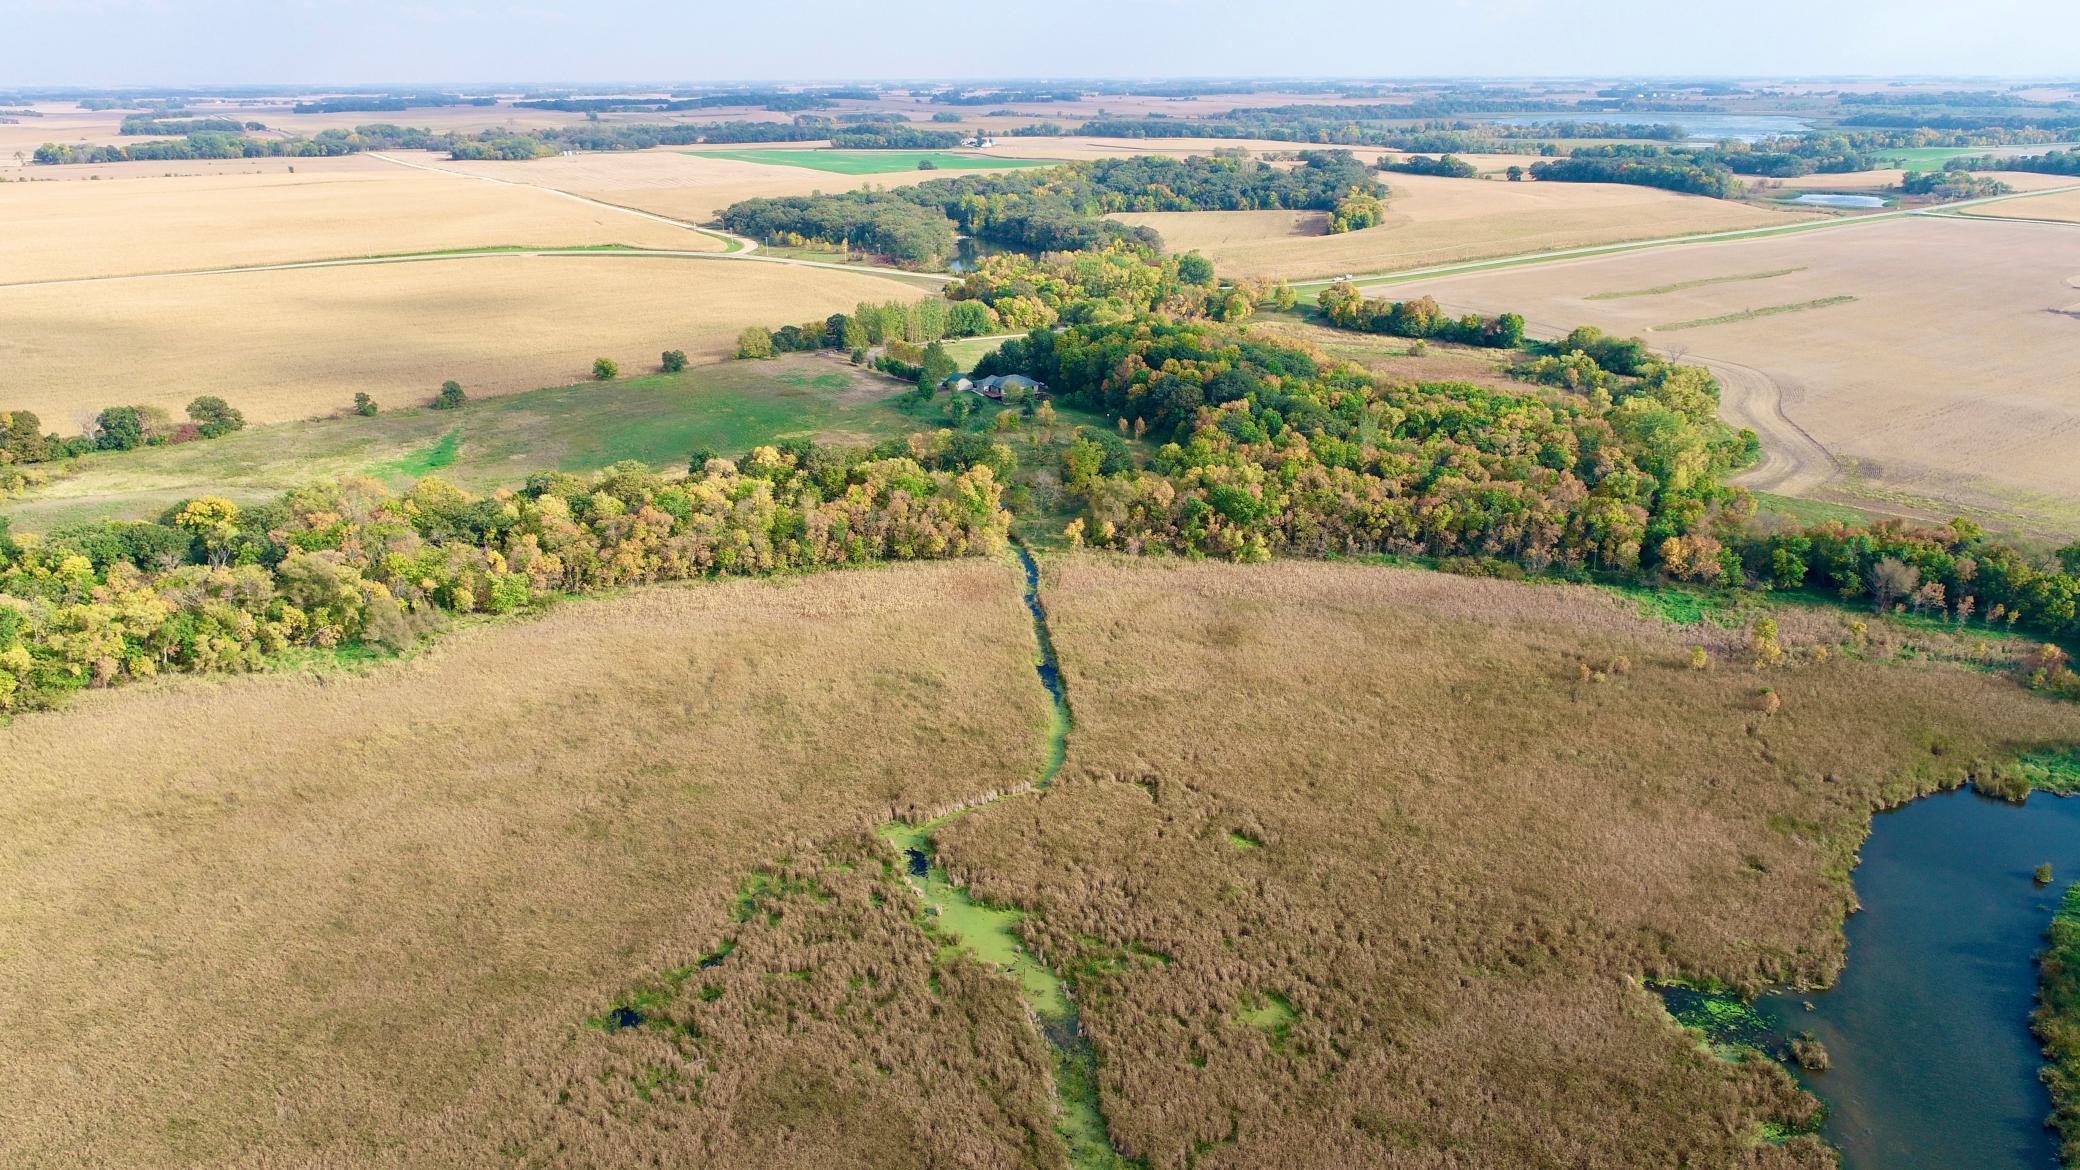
{"x":1062,"y":208}
{"x":211,"y":586}
{"x":1645,"y":166}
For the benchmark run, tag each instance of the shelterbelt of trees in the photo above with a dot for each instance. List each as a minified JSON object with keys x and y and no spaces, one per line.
{"x":2051,"y":162}
{"x":211,"y":586}
{"x":220,"y":138}
{"x":1063,"y":208}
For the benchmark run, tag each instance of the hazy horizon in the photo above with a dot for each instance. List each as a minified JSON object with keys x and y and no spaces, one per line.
{"x":246,"y":43}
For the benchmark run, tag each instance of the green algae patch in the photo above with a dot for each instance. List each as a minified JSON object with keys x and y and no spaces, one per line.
{"x":1242,"y":840}
{"x":988,"y":933}
{"x":2057,"y":773}
{"x":1268,"y":1011}
{"x":1729,"y":1025}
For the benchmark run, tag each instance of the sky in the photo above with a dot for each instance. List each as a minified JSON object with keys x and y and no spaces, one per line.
{"x":323,"y":42}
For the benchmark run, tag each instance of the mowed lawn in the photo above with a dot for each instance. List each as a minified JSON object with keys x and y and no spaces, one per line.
{"x":657,"y":418}
{"x":873,"y":162}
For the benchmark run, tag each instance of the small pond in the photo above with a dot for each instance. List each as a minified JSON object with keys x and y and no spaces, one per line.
{"x":969,"y":251}
{"x":1831,"y":199}
{"x":1934,"y":1065}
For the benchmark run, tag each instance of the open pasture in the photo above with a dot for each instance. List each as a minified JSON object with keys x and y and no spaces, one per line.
{"x":1946,"y":386}
{"x":70,"y":230}
{"x":658,"y":419}
{"x":375,"y":942}
{"x":300,"y":343}
{"x":1435,"y":221}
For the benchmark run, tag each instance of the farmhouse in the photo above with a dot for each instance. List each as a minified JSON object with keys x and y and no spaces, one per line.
{"x":995,"y":386}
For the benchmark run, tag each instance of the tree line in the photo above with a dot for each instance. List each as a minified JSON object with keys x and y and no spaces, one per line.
{"x":1449,"y":166}
{"x":1645,"y":166}
{"x":213,"y":586}
{"x":1343,"y":306}
{"x":1062,"y":208}
{"x":2051,"y":162}
{"x":224,"y":139}
{"x":116,"y":428}
{"x":1270,"y":448}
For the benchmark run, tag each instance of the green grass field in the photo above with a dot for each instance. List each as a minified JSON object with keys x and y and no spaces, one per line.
{"x":1932,"y":158}
{"x":872,"y":162}
{"x":969,"y":350}
{"x":657,"y":418}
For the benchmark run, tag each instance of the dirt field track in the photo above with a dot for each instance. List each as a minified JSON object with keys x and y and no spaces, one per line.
{"x":1946,"y":386}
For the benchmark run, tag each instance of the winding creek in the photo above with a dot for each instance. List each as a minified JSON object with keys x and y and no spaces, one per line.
{"x":990,"y":933}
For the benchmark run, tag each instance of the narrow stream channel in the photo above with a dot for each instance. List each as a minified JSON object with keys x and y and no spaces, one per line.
{"x":990,"y":933}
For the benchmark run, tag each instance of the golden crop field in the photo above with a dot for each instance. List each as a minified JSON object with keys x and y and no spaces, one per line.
{"x":679,"y":182}
{"x":67,"y":230}
{"x":299,"y":343}
{"x":1364,"y":873}
{"x":2063,"y":206}
{"x":1945,"y":386}
{"x":1869,"y":180}
{"x":1435,"y":221}
{"x":329,"y":920}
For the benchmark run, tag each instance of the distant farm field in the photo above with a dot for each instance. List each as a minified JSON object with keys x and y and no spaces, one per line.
{"x":376,"y":941}
{"x":300,"y":343}
{"x":2063,"y":206}
{"x":874,"y":162}
{"x":1932,"y":158}
{"x":657,"y":419}
{"x":1436,"y":221}
{"x":66,"y":230}
{"x":682,"y":184}
{"x":1947,"y":385}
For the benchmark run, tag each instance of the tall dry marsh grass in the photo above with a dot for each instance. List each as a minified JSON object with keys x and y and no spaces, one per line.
{"x":1468,"y":856}
{"x":358,"y":921}
{"x":1348,"y":866}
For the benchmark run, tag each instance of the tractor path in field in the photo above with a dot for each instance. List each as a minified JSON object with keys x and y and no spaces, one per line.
{"x":1793,"y":462}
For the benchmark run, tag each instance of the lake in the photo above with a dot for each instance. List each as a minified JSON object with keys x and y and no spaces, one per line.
{"x":1934,"y":1065}
{"x":1696,"y":127}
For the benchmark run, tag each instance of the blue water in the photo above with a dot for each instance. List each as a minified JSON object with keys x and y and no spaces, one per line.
{"x":1934,"y":1066}
{"x":1826,"y":199}
{"x":1696,"y":127}
{"x":1049,"y":667}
